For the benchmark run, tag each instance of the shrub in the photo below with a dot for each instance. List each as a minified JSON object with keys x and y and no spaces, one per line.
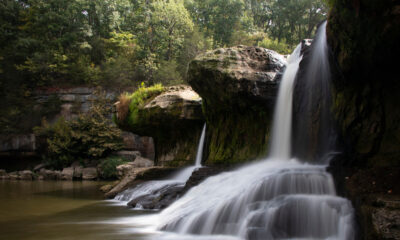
{"x":91,"y":135}
{"x":280,"y":47}
{"x":108,"y":167}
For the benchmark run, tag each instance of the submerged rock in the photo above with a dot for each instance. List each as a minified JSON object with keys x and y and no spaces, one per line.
{"x":238,"y":86}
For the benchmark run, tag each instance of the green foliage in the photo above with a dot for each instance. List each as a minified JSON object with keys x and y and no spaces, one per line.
{"x":120,"y":43}
{"x":108,"y":167}
{"x":138,"y":97}
{"x":90,"y":135}
{"x":167,"y":73}
{"x":280,"y":47}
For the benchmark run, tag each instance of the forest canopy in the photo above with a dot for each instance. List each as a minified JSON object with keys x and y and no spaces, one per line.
{"x":119,"y":43}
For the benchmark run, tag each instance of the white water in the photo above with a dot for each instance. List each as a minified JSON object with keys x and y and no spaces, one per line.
{"x":156,"y":188}
{"x":281,"y":132}
{"x":276,"y":198}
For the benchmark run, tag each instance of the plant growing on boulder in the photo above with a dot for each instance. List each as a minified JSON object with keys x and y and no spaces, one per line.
{"x":128,"y":105}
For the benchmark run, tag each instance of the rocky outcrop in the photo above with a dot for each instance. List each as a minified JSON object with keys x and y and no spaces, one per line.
{"x":26,"y":175}
{"x":238,"y":86}
{"x":144,"y":145}
{"x":159,"y":199}
{"x":133,"y":176}
{"x":174,"y":119}
{"x":89,"y":173}
{"x":23,"y":143}
{"x":364,"y":37}
{"x":67,"y":173}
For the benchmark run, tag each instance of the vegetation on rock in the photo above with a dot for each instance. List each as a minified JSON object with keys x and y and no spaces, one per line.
{"x":89,"y":136}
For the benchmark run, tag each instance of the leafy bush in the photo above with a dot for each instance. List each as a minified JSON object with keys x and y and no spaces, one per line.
{"x":280,"y":47}
{"x":167,"y":73}
{"x":108,"y":167}
{"x":90,"y":135}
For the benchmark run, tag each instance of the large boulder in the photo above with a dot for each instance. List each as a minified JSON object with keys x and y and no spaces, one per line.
{"x":173,"y":118}
{"x":238,"y":86}
{"x":67,"y":173}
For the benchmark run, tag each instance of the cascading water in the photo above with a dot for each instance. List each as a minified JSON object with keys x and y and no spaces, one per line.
{"x":154,"y":189}
{"x":314,"y":133}
{"x":277,"y":198}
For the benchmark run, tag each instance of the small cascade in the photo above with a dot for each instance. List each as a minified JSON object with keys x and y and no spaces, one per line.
{"x":154,"y":189}
{"x":276,"y":198}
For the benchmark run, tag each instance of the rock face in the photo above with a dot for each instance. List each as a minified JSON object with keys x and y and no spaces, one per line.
{"x":174,"y":120}
{"x":144,"y":145}
{"x":89,"y":173}
{"x":67,"y":173}
{"x":364,"y":37}
{"x":25,"y":143}
{"x":238,"y":86}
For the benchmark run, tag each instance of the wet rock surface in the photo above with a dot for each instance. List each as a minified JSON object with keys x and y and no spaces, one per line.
{"x":238,"y":86}
{"x":133,"y":176}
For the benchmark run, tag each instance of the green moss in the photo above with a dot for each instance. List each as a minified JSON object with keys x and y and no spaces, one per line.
{"x":139,"y":97}
{"x":238,"y":136}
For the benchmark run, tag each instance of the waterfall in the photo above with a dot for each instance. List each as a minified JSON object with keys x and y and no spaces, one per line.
{"x":315,"y":136}
{"x":276,"y":198}
{"x":154,"y":189}
{"x":281,"y":132}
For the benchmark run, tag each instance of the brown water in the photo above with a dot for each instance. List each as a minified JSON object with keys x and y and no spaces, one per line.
{"x":61,"y":210}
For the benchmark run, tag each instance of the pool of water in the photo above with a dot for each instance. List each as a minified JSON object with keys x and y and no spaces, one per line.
{"x":63,"y":210}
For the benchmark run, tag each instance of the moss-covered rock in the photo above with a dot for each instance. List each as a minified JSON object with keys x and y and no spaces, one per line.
{"x":173,"y":117}
{"x":238,"y":86}
{"x":364,"y":37}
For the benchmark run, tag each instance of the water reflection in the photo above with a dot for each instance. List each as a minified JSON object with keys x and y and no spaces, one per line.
{"x":61,"y":210}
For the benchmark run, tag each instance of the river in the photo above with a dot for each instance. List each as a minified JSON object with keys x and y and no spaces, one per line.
{"x":62,"y":210}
